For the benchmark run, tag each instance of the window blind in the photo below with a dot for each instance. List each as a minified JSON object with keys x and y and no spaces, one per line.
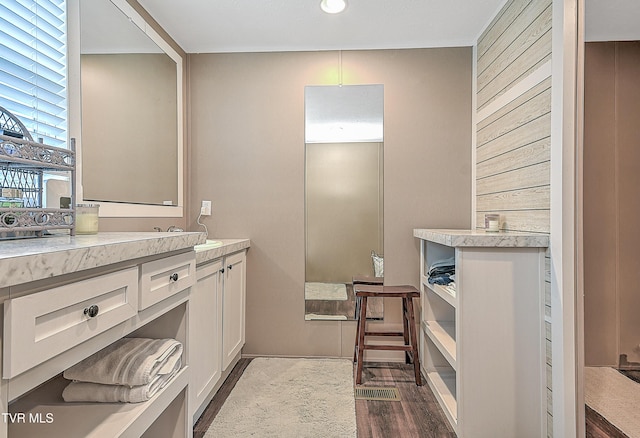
{"x":33,"y":66}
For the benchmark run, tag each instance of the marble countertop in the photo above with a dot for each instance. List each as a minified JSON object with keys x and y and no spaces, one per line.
{"x":228,"y":246}
{"x":482,"y":238}
{"x":25,"y":260}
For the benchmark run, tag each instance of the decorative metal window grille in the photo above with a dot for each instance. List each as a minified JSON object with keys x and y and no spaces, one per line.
{"x":27,"y":181}
{"x":22,"y":166}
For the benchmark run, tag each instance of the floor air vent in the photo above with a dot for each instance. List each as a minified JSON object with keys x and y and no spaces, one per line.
{"x":385,"y":393}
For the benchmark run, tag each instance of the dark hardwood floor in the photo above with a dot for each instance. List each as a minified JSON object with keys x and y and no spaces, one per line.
{"x":598,"y":427}
{"x":416,"y":415}
{"x":213,"y":408}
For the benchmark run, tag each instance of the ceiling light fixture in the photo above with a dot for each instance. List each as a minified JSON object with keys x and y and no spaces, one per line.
{"x":333,"y":6}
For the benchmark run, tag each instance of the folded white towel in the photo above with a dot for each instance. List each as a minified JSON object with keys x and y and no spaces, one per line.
{"x":96,"y":392}
{"x":128,"y":361}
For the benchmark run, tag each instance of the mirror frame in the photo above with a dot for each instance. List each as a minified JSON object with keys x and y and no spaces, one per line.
{"x":121,"y":209}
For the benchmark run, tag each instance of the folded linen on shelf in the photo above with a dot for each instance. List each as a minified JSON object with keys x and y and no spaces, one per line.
{"x":128,"y":361}
{"x":442,"y":279}
{"x":96,"y":392}
{"x":442,"y":266}
{"x":442,"y":272}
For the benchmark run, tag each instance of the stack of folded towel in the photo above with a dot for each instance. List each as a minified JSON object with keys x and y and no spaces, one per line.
{"x":130,"y":370}
{"x":442,"y":272}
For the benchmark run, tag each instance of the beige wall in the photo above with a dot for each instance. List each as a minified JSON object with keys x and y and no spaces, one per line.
{"x":611,"y":202}
{"x":247,"y":156}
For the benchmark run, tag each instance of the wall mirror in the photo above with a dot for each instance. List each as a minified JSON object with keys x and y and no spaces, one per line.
{"x":131,"y":98}
{"x":343,"y":196}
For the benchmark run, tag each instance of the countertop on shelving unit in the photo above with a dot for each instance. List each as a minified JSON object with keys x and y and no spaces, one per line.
{"x":482,"y":238}
{"x":25,"y":260}
{"x":228,"y":246}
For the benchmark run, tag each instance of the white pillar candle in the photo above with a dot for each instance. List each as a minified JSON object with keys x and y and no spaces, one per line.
{"x":87,"y":218}
{"x":492,"y":222}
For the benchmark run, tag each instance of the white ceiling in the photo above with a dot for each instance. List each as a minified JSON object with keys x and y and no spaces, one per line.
{"x":209,"y":26}
{"x":612,"y":20}
{"x":105,"y":29}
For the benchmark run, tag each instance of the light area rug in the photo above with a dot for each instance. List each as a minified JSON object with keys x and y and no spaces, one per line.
{"x":615,"y":397}
{"x":299,"y":398}
{"x":325,"y":291}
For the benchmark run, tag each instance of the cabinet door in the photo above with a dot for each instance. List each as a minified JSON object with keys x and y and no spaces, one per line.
{"x":233,"y":307}
{"x":205,"y":333}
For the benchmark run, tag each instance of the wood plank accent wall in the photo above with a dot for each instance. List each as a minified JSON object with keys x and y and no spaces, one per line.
{"x":516,"y":43}
{"x":512,"y":162}
{"x":513,"y":130}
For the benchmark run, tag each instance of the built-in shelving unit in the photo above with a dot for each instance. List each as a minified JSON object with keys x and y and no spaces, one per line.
{"x":443,"y":384}
{"x":47,"y":414}
{"x":443,"y":335}
{"x":482,"y":338}
{"x":447,"y":293}
{"x":438,"y":334}
{"x":53,"y":417}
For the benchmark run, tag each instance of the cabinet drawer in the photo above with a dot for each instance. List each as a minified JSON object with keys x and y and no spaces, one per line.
{"x":42,"y":325}
{"x":165,"y":277}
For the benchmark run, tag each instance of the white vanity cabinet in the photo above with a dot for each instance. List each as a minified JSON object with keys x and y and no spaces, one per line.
{"x":233,"y":307}
{"x":216,"y":325}
{"x":205,"y":340}
{"x":65,"y":298}
{"x":482,"y":341}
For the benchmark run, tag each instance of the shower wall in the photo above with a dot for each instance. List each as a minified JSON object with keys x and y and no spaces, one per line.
{"x":612,"y":203}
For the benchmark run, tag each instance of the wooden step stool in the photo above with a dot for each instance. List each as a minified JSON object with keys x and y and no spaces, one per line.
{"x":410,"y":347}
{"x":363,"y":279}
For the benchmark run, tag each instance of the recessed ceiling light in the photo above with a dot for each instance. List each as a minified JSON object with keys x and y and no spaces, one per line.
{"x":333,"y":6}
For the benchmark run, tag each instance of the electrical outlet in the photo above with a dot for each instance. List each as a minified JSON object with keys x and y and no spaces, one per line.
{"x":205,"y":210}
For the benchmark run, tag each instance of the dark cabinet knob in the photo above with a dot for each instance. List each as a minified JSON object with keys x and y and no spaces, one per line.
{"x":91,"y":311}
{"x":222,"y":271}
{"x":230,"y":267}
{"x":173,"y":277}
